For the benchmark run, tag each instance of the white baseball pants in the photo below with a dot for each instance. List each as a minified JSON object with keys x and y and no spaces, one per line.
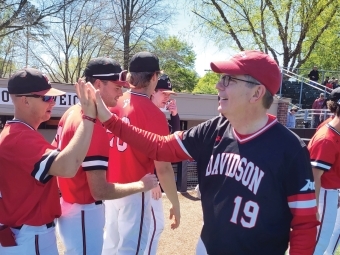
{"x":81,"y":228}
{"x":156,"y":227}
{"x":127,"y":224}
{"x":328,"y":208}
{"x":32,"y":240}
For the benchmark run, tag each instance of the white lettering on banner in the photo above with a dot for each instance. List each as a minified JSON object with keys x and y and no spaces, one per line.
{"x":66,"y":100}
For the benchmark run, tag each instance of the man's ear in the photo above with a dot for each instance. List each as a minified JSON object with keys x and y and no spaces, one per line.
{"x":259,"y":92}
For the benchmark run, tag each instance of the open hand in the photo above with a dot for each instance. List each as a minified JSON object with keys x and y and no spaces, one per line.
{"x":85,"y":93}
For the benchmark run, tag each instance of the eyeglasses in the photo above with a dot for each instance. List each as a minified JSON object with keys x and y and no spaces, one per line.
{"x":44,"y":98}
{"x":227,"y":78}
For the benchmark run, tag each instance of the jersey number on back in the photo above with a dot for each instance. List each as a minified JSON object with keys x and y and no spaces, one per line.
{"x":121,"y":146}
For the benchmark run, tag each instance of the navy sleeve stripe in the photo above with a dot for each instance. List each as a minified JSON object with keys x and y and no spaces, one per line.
{"x":41,"y":168}
{"x":321,"y":165}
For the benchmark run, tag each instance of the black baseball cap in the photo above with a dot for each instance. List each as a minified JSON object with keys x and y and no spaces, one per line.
{"x":335,"y":95}
{"x":144,"y":62}
{"x":106,"y":69}
{"x":31,"y":81}
{"x":164,"y":84}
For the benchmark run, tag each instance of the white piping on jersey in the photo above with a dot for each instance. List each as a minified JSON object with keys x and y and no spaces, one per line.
{"x":302,"y":204}
{"x":179,"y":140}
{"x":320,"y":165}
{"x":137,"y":94}
{"x":94,"y":163}
{"x":19,"y":121}
{"x":269,"y":125}
{"x":42,"y":166}
{"x":332,"y":128}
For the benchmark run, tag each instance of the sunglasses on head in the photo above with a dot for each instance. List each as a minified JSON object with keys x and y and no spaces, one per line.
{"x":44,"y":98}
{"x":112,"y":76}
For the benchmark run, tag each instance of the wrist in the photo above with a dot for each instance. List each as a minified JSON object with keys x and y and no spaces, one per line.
{"x":86,"y":117}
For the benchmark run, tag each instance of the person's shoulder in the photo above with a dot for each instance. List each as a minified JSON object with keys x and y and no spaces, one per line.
{"x":283,"y":135}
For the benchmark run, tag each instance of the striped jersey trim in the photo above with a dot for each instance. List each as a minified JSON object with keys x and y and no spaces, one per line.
{"x":332,"y":128}
{"x":302,"y":204}
{"x":179,"y":140}
{"x":138,"y":94}
{"x":95,"y":163}
{"x":19,"y":121}
{"x":248,"y":138}
{"x":41,"y":168}
{"x":320,"y":165}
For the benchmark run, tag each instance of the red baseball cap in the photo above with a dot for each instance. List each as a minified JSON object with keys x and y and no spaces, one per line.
{"x":255,"y":63}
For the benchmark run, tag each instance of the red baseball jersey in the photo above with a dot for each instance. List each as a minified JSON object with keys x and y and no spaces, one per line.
{"x":28,"y":194}
{"x":125,"y":163}
{"x":76,"y":189}
{"x":324,"y":153}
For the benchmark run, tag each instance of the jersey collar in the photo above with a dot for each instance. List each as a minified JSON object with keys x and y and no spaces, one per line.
{"x":138,"y":94}
{"x":272,"y":120}
{"x":19,"y":121}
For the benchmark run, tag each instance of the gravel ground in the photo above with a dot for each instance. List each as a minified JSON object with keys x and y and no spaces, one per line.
{"x":181,"y":241}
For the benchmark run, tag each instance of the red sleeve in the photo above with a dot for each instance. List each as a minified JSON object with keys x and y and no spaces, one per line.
{"x":313,"y":106}
{"x":303,"y":234}
{"x":162,"y":148}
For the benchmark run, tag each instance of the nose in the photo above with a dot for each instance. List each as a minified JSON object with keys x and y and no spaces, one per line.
{"x":219,"y":86}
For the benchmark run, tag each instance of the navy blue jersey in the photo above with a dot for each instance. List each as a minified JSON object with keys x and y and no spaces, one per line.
{"x":257,"y":191}
{"x":250,"y":189}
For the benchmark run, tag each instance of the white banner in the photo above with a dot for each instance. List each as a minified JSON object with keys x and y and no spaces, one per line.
{"x":62,"y":101}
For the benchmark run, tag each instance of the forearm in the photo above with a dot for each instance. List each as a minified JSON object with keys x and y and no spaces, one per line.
{"x":166,"y":178}
{"x":164,"y":148}
{"x":118,"y":190}
{"x":175,"y":123}
{"x":70,"y":158}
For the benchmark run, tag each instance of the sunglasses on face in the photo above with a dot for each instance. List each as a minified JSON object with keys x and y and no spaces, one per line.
{"x":44,"y":98}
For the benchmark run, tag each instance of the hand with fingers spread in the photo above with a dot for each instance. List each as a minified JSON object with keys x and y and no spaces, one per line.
{"x":85,"y":92}
{"x":149,"y":181}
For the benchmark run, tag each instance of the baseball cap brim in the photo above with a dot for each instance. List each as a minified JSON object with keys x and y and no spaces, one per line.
{"x":167,"y":91}
{"x":50,"y":92}
{"x":228,"y":67}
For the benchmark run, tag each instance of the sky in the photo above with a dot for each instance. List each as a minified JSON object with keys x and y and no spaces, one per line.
{"x":205,"y":50}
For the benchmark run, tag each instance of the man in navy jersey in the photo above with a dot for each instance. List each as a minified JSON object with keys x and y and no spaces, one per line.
{"x":255,"y":178}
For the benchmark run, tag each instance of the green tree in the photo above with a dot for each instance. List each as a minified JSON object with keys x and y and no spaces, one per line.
{"x":326,"y":52}
{"x":206,"y":84}
{"x":177,"y":59}
{"x":281,"y":28}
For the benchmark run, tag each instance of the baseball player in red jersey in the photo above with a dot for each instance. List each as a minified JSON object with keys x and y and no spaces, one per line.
{"x":82,"y":221}
{"x":254,"y":175}
{"x":324,"y":152}
{"x":161,"y":98}
{"x":29,"y":197}
{"x":127,"y":220}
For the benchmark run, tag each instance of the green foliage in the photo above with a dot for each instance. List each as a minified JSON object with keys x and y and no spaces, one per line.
{"x":287,"y":30}
{"x":206,"y":85}
{"x":177,"y":59}
{"x":326,"y":52}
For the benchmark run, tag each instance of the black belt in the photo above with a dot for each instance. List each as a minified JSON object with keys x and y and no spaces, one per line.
{"x":48,"y":225}
{"x":98,"y":202}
